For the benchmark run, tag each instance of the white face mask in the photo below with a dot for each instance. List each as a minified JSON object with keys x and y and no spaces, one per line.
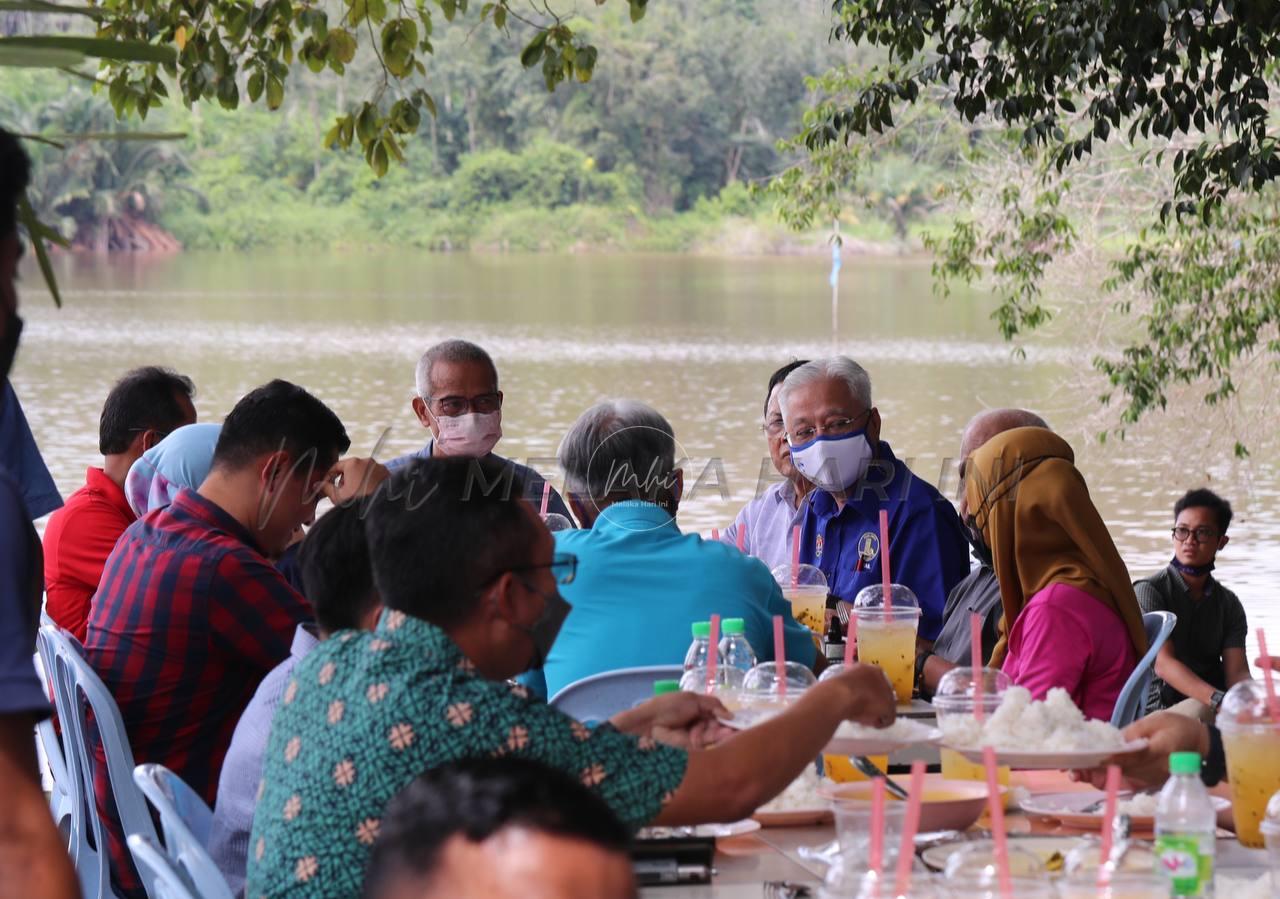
{"x":473,"y":435}
{"x":834,"y":463}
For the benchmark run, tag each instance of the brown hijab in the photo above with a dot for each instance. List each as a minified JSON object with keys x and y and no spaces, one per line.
{"x":1031,"y":505}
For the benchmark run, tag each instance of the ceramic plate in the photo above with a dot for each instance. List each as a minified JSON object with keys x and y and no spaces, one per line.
{"x":1069,"y":808}
{"x":1051,"y":761}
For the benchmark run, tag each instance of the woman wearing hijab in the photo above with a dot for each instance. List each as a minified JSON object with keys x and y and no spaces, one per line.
{"x":182,"y":459}
{"x":1071,"y":619}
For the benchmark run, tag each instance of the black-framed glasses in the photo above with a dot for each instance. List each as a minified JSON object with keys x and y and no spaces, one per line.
{"x":1202,"y":534}
{"x":453,"y":406}
{"x":564,"y":568}
{"x":836,"y":427}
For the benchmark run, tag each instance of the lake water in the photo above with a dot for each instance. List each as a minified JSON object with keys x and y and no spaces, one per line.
{"x":695,"y":337}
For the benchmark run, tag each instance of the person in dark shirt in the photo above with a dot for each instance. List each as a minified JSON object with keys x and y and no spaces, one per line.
{"x":33,"y":855}
{"x":1205,"y":656}
{"x":979,"y":591}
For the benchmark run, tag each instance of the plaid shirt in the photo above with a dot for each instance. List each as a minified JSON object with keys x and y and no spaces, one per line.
{"x":187,"y":621}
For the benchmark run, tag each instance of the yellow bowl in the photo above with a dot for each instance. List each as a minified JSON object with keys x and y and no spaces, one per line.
{"x":947,"y":804}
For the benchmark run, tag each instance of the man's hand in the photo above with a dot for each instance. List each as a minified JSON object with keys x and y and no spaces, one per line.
{"x":1165,"y":733}
{"x":352,"y":478}
{"x":869,"y":697}
{"x":688,"y":720}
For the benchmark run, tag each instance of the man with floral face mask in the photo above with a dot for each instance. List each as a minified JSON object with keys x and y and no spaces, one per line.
{"x":834,"y":434}
{"x":456,"y":397}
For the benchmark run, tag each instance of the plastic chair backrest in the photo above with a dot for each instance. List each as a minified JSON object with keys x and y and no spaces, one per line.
{"x":601,"y":696}
{"x":184,"y":819}
{"x":166,"y":880}
{"x":54,"y":645}
{"x":85,"y":690}
{"x":1132,"y":701}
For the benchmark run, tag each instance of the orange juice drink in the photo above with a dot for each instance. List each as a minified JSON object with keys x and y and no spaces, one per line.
{"x":1251,"y":739}
{"x":808,"y":605}
{"x":888,"y":640}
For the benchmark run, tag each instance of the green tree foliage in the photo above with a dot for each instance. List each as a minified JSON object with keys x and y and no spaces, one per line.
{"x":1194,"y":81}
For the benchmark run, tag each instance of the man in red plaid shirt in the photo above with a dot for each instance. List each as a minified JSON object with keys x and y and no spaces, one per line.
{"x":191,"y":612}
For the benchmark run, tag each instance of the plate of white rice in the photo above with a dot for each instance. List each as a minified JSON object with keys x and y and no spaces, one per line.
{"x":858,"y":739}
{"x":799,"y":804}
{"x":1031,"y":734}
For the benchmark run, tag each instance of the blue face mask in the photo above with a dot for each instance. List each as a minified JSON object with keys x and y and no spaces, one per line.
{"x":834,"y":463}
{"x":1193,"y":570}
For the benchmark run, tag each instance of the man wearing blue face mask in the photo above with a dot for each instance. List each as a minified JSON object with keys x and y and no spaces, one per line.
{"x":834,"y":434}
{"x":456,"y":397}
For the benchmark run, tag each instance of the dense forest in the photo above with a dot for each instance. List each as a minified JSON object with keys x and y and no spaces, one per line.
{"x":659,"y":151}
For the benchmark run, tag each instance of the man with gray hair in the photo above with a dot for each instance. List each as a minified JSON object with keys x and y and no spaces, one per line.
{"x":456,"y":397}
{"x":833,"y":430}
{"x":980,"y":591}
{"x":640,"y":582}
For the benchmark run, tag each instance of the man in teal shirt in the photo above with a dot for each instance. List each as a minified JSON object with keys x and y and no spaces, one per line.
{"x":640,"y":582}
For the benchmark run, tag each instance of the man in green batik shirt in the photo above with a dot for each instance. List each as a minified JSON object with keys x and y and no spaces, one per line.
{"x":469,"y":580}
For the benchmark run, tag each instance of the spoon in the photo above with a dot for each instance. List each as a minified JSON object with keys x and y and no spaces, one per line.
{"x":869,"y":769}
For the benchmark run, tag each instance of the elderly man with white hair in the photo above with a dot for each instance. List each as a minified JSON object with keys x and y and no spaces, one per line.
{"x":640,"y":583}
{"x":456,"y":398}
{"x":833,"y":430}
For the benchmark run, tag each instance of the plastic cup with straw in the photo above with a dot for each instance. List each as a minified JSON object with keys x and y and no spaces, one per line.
{"x":713,"y":654}
{"x":876,"y":849}
{"x":979,"y":671}
{"x":910,"y":824}
{"x":995,"y":807}
{"x":1108,"y":826}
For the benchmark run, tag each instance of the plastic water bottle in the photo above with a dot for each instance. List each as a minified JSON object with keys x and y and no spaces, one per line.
{"x":1186,"y":824}
{"x":735,"y":649}
{"x":700,"y":648}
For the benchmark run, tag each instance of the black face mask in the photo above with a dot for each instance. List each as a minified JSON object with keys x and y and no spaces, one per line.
{"x":9,"y":343}
{"x":543,"y":633}
{"x":980,"y":549}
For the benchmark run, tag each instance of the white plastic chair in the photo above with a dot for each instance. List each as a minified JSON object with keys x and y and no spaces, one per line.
{"x":184,"y":819}
{"x":167,"y":882}
{"x":1131,"y":704}
{"x":79,"y":688}
{"x":601,"y":696}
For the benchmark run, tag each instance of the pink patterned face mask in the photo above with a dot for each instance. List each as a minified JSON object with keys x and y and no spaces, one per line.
{"x":473,"y":435}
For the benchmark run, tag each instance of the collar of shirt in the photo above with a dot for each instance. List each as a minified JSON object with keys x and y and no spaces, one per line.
{"x":1180,"y":583}
{"x":436,"y":649}
{"x":192,"y":505}
{"x":305,"y":639}
{"x":868,"y":504}
{"x":96,"y":480}
{"x":783,"y":492}
{"x":635,"y":515}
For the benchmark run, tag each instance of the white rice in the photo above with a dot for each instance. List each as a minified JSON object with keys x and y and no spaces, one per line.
{"x":903,"y":730}
{"x":1023,"y":725}
{"x":1140,"y":805}
{"x":801,"y":795}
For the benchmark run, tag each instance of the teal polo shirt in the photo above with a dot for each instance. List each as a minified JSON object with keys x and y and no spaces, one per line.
{"x":641,"y":584}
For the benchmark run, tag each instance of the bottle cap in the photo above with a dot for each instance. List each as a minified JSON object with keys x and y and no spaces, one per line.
{"x":702,"y":629}
{"x":1184,"y":763}
{"x":665,"y":686}
{"x":734,"y":626}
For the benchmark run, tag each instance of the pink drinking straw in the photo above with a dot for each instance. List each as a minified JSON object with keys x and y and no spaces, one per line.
{"x":995,"y":807}
{"x":546,"y":498}
{"x":1272,"y":702}
{"x":1108,"y":821}
{"x":910,"y":824}
{"x":850,"y":641}
{"x":715,"y":651}
{"x":742,"y":538}
{"x":877,"y":826}
{"x":715,"y":535}
{"x":795,"y":556}
{"x":980,"y":685}
{"x":780,"y":655}
{"x":884,"y":561}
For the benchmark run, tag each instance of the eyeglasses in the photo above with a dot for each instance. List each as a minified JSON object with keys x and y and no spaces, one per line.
{"x":836,"y":427}
{"x":1203,"y":535}
{"x":453,"y":406}
{"x":564,"y":568}
{"x":773,"y":427}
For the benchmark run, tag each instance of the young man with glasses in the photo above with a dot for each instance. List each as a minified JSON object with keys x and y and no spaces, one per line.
{"x":1205,"y":656}
{"x":456,"y":398}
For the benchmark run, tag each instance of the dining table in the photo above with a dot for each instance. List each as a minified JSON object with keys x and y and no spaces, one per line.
{"x":755,"y":864}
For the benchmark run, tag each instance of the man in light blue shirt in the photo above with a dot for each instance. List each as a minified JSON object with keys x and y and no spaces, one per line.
{"x":765,"y":524}
{"x":338,"y":582}
{"x":640,"y":582}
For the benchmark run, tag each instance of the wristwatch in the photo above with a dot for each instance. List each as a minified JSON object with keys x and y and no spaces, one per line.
{"x":1216,"y":700}
{"x":920,"y":662}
